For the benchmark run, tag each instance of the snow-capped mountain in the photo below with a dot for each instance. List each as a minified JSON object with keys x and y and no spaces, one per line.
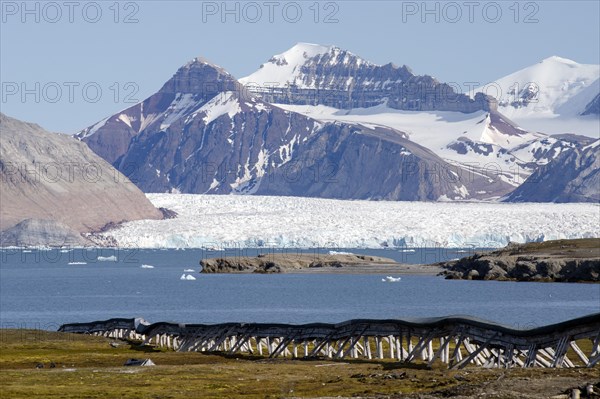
{"x":551,"y":96}
{"x":203,"y":133}
{"x":313,"y":74}
{"x":320,"y":121}
{"x":574,"y":176}
{"x":312,"y":79}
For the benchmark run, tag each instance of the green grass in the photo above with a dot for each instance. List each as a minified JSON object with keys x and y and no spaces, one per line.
{"x":89,"y":367}
{"x":589,"y":247}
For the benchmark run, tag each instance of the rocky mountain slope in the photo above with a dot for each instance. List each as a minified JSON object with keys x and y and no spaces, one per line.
{"x":192,"y":86}
{"x":572,"y":177}
{"x":593,"y":107}
{"x":182,"y":141}
{"x":310,"y":74}
{"x":51,"y":183}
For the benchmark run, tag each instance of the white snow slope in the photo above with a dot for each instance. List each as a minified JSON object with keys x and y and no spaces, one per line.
{"x":285,"y":222}
{"x":561,"y":89}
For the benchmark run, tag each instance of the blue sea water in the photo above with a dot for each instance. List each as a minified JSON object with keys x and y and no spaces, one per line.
{"x":40,"y":289}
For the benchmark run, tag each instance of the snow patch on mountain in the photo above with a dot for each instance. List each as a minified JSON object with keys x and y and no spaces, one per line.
{"x":183,"y":103}
{"x":257,"y":221}
{"x":221,"y":104}
{"x":92,"y":129}
{"x":595,"y":144}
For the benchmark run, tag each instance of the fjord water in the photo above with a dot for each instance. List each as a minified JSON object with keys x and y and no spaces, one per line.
{"x":40,"y":289}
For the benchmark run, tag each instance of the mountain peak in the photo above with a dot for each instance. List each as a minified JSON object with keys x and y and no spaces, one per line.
{"x":557,"y":59}
{"x":291,"y":66}
{"x":201,"y":61}
{"x":200,"y":76}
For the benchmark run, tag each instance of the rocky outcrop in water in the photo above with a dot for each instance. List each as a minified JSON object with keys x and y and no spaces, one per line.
{"x":560,"y":261}
{"x":282,"y":263}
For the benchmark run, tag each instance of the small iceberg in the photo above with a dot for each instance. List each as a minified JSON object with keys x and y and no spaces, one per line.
{"x":406,"y":250}
{"x":390,"y":279}
{"x":340,"y":253}
{"x":77,"y":263}
{"x":189,"y":270}
{"x":64,"y":251}
{"x":111,"y":258}
{"x":147,"y":267}
{"x":187,"y":277}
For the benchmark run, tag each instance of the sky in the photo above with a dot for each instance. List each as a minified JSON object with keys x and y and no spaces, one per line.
{"x":68,"y":64}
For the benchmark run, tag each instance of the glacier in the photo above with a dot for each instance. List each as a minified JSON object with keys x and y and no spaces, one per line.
{"x":236,"y":221}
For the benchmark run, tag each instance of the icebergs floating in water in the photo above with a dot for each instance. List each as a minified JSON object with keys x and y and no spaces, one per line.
{"x":111,"y":258}
{"x":340,"y":253}
{"x":77,"y":263}
{"x":147,"y":267}
{"x":189,"y":270}
{"x":187,"y":277}
{"x":390,"y":279}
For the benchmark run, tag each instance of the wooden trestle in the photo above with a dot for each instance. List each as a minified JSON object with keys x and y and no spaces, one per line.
{"x":455,"y":341}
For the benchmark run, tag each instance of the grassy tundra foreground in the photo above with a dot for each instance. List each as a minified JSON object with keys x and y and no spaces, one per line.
{"x":90,"y":367}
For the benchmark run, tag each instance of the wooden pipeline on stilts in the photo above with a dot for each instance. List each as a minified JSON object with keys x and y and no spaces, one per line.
{"x":454,"y":341}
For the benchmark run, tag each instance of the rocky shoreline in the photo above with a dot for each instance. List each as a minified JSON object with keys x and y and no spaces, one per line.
{"x":549,"y":261}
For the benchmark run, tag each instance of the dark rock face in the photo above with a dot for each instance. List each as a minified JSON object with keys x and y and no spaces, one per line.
{"x":464,"y":145}
{"x":347,"y":162}
{"x":572,"y":177}
{"x":340,"y":79}
{"x":564,"y":263}
{"x":593,"y":108}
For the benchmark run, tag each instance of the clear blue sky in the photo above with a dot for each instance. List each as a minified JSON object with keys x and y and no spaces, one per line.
{"x":65,"y":48}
